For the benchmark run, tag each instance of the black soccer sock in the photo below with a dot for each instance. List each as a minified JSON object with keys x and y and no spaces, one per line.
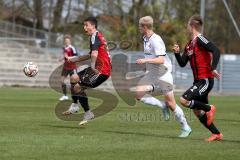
{"x":212,"y":128}
{"x":84,"y":103}
{"x":199,"y":106}
{"x":74,"y":95}
{"x":64,"y":89}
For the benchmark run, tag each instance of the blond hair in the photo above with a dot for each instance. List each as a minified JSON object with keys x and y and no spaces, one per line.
{"x":146,"y":21}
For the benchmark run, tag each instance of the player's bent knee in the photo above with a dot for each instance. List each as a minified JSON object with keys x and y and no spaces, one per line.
{"x":138,"y":96}
{"x":140,"y":92}
{"x":171,"y":104}
{"x":76,"y":88}
{"x":138,"y":99}
{"x":74,"y":78}
{"x":198,"y":113}
{"x":184,"y":102}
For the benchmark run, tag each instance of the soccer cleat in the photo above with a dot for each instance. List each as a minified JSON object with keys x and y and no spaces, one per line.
{"x":185,"y":133}
{"x":87,"y":116}
{"x":72,"y":109}
{"x":210,"y":115}
{"x":63,"y":98}
{"x":166,"y":114}
{"x":215,"y":137}
{"x":83,"y":122}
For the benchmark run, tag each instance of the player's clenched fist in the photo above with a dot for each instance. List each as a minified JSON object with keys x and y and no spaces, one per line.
{"x":176,"y":48}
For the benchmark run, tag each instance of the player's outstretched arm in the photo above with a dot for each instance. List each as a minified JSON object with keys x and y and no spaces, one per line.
{"x":181,"y":59}
{"x":157,"y":60}
{"x":78,"y":58}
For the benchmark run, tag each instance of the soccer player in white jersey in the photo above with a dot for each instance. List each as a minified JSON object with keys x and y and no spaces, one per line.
{"x":159,"y":75}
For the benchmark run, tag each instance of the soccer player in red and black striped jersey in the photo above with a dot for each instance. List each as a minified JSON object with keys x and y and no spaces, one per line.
{"x":69,"y":68}
{"x":203,"y":56}
{"x":91,"y":77}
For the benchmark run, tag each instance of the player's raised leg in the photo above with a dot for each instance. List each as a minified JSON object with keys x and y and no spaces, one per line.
{"x":203,"y":117}
{"x":215,"y":133}
{"x":198,"y":105}
{"x":141,"y":94}
{"x":83,"y":100}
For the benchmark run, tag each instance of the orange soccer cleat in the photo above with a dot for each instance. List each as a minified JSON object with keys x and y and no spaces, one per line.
{"x":210,"y":115}
{"x":215,"y":137}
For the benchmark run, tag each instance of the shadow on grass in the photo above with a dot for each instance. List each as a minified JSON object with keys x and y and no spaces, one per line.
{"x":168,"y":136}
{"x":146,"y":134}
{"x":229,"y":120}
{"x":64,"y":126}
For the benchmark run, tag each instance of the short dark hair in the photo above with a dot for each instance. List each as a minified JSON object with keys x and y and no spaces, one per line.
{"x":92,"y":20}
{"x":67,"y":36}
{"x":196,"y":21}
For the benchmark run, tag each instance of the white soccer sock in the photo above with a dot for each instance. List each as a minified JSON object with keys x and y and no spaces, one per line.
{"x":180,"y":117}
{"x":153,"y":101}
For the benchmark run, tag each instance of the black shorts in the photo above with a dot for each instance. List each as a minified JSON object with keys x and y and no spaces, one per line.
{"x":200,"y":90}
{"x":66,"y":72}
{"x":89,"y":79}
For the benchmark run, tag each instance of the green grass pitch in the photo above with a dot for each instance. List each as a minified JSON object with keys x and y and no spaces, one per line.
{"x":29,"y":129}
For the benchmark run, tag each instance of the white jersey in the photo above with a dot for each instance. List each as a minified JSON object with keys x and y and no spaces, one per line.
{"x":154,"y":47}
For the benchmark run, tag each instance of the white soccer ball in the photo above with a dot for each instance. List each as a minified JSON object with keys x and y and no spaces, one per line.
{"x":30,"y":69}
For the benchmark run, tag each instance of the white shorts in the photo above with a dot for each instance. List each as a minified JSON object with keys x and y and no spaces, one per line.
{"x":160,"y":85}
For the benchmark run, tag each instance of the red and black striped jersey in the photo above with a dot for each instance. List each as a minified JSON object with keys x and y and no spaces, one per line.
{"x":103,"y":62}
{"x":69,"y":51}
{"x":202,"y":55}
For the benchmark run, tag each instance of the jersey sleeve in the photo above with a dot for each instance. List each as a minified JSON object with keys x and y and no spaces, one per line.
{"x":64,"y":53}
{"x":182,"y":59}
{"x":159,"y":48}
{"x":74,"y":51}
{"x":95,"y":41}
{"x":210,"y":47}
